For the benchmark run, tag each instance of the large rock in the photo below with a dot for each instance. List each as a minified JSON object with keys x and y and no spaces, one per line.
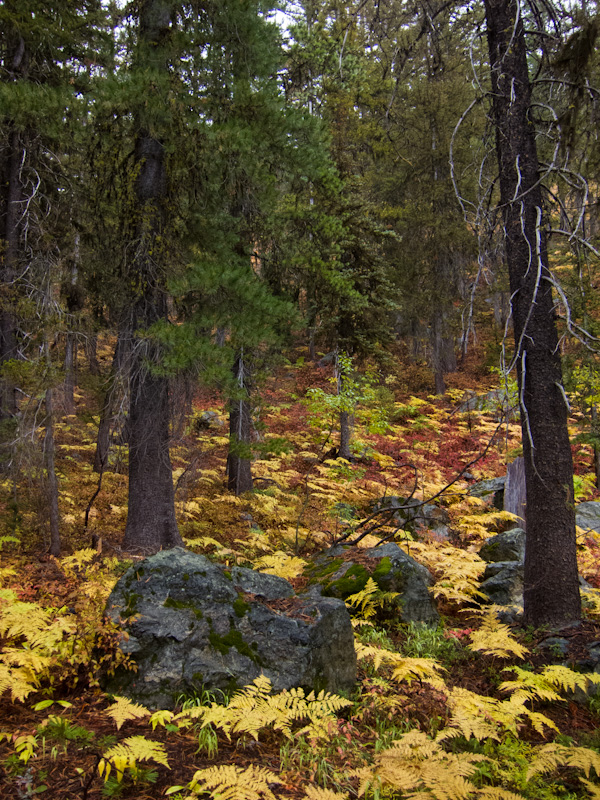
{"x":587,"y":515}
{"x":190,"y":623}
{"x":507,"y":546}
{"x":343,"y":571}
{"x":491,"y":489}
{"x":503,"y":583}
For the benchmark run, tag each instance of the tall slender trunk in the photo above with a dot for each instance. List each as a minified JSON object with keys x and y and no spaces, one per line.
{"x":239,"y":464}
{"x":116,"y":394}
{"x":551,"y":587}
{"x":51,"y":479}
{"x":151,"y":523}
{"x":10,"y":237}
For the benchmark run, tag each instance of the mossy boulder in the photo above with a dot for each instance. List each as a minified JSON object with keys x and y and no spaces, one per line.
{"x":343,"y":571}
{"x":189,"y":624}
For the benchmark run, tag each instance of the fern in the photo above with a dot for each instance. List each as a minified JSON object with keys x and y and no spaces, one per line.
{"x":457,"y":572}
{"x":281,"y":564}
{"x":127,"y":753}
{"x":403,"y":667}
{"x":254,"y":708}
{"x":316,"y":793}
{"x":495,"y":639}
{"x":124,"y":709}
{"x":229,"y":782}
{"x":547,"y":684}
{"x":366,"y":602}
{"x":551,"y":756}
{"x":480,"y":717}
{"x":416,"y":764}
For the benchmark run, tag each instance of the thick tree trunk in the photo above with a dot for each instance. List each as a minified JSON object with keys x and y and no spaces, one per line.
{"x":551,"y":588}
{"x":151,"y":523}
{"x":239,"y":464}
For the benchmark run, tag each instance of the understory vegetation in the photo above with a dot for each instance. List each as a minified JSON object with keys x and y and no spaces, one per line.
{"x":471,"y":708}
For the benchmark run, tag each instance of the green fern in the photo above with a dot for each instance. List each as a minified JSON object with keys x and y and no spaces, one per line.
{"x":365,"y":603}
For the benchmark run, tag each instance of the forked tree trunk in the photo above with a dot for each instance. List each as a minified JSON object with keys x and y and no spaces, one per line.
{"x":551,"y":586}
{"x":239,"y":464}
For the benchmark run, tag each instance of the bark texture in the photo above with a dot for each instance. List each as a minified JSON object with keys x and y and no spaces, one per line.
{"x":239,"y":465}
{"x":551,"y":587}
{"x":151,"y":523}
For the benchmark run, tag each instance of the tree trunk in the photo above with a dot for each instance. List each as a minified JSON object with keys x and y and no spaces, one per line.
{"x":51,"y":480}
{"x":151,"y":523}
{"x":346,"y":428}
{"x":551,"y":587}
{"x":239,"y":464}
{"x":10,"y":236}
{"x":69,"y":383}
{"x":111,"y":408}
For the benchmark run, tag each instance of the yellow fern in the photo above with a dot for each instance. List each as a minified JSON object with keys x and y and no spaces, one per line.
{"x":281,"y":564}
{"x":125,"y":709}
{"x":403,"y":668}
{"x":366,"y":602}
{"x":457,"y":572}
{"x":316,"y":793}
{"x":481,"y":717}
{"x":551,"y":756}
{"x":416,"y":764}
{"x":254,"y":709}
{"x":229,"y":782}
{"x":495,"y":639}
{"x":547,"y":684}
{"x":128,"y":753}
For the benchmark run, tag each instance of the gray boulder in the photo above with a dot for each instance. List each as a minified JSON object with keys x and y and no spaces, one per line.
{"x":343,"y":571}
{"x":587,"y":515}
{"x":492,"y":489}
{"x":503,"y":583}
{"x":189,"y":623}
{"x":507,"y":546}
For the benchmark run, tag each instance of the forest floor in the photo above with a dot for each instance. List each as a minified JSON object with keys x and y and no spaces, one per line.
{"x":55,"y":735}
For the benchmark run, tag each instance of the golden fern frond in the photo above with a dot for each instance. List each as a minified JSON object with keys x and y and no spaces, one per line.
{"x":32,"y":661}
{"x":403,"y":667}
{"x":281,"y":564}
{"x":127,"y":753}
{"x":495,"y":639}
{"x":20,"y":685}
{"x":593,"y":789}
{"x":551,"y":756}
{"x":160,"y":717}
{"x":125,"y":709}
{"x":547,"y":684}
{"x":418,"y":766}
{"x":495,"y":793}
{"x":229,"y":782}
{"x":253,"y":709}
{"x":316,"y":793}
{"x":369,"y":599}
